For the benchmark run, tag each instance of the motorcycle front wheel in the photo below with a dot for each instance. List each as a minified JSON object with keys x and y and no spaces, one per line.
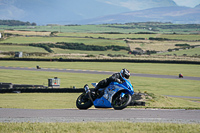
{"x":83,"y":101}
{"x":119,"y":103}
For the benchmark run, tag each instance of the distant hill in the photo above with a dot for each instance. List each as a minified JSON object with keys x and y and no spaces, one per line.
{"x":68,"y":11}
{"x":198,"y":6}
{"x":45,"y":12}
{"x":52,"y":11}
{"x":141,"y":4}
{"x":175,"y":14}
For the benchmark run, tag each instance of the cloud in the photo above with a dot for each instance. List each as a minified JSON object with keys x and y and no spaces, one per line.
{"x":189,"y":3}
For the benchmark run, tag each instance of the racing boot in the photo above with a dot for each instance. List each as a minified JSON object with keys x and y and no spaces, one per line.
{"x":96,"y":89}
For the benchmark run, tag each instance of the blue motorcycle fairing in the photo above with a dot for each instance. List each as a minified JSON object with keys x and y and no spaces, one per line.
{"x":114,"y":87}
{"x":128,"y":85}
{"x":102,"y":103}
{"x":106,"y":100}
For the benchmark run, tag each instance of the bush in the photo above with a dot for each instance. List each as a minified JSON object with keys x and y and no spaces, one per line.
{"x":169,"y":50}
{"x":45,"y":46}
{"x":138,"y":48}
{"x":183,"y":45}
{"x":145,"y":33}
{"x":78,"y":46}
{"x":158,"y":39}
{"x":90,"y":55}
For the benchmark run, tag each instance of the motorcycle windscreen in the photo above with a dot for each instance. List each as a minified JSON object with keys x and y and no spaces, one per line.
{"x":102,"y":103}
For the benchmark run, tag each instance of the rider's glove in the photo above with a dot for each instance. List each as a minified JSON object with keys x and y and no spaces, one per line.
{"x":118,"y":81}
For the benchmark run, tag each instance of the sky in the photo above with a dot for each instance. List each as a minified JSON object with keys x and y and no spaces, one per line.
{"x":190,"y":3}
{"x":70,"y":10}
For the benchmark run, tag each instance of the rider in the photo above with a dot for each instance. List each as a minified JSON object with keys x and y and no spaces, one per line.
{"x":116,"y":77}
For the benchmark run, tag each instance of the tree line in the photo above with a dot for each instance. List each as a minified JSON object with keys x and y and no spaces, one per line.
{"x":78,"y":46}
{"x":16,"y":23}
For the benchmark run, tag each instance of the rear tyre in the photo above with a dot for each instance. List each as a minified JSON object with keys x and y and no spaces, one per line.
{"x":83,"y":101}
{"x":119,"y":103}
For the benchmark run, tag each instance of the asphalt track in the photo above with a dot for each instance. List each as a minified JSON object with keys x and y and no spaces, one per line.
{"x":98,"y":72}
{"x":99,"y":115}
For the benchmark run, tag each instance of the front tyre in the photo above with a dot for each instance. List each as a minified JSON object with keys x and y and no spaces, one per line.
{"x":119,"y":103}
{"x":83,"y":101}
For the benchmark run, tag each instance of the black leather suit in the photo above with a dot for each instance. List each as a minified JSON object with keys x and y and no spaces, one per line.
{"x":104,"y":83}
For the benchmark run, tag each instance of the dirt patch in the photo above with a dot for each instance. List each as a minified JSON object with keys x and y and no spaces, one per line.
{"x":27,"y":32}
{"x":139,"y":99}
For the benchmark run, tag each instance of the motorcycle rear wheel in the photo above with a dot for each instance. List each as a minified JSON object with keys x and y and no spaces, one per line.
{"x":119,"y":103}
{"x":83,"y":102}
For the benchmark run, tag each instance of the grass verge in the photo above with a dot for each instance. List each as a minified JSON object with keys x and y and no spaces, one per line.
{"x":99,"y":127}
{"x":68,"y":101}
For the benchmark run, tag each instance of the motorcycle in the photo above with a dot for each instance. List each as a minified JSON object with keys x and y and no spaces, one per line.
{"x":115,"y":95}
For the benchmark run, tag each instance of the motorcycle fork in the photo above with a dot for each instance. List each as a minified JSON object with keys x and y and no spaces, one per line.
{"x":90,"y":97}
{"x":87,"y":90}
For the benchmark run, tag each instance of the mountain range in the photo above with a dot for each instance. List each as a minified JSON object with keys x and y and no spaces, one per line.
{"x":97,"y":11}
{"x":198,"y":6}
{"x":174,"y":14}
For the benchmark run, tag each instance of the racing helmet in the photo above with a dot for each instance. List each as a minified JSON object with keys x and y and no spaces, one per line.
{"x":125,"y":73}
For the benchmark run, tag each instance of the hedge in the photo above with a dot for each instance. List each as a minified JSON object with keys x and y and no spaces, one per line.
{"x":104,"y":60}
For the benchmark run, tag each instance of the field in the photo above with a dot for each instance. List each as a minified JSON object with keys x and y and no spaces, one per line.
{"x":132,"y":36}
{"x":158,"y":45}
{"x":23,"y":49}
{"x":119,"y":28}
{"x":87,"y":41}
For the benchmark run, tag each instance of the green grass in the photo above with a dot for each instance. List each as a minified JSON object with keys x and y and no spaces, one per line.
{"x":99,"y":127}
{"x":68,"y":101}
{"x":167,"y":86}
{"x":189,"y":52}
{"x":158,"y":86}
{"x":181,"y":37}
{"x":104,"y":28}
{"x":89,"y":34}
{"x":165,"y":102}
{"x":86,"y":41}
{"x":41,"y":78}
{"x":111,"y":36}
{"x":115,"y":36}
{"x":6,"y":48}
{"x":157,"y":45}
{"x":152,"y":85}
{"x":39,"y":100}
{"x":146,"y":68}
{"x":95,"y":53}
{"x":81,"y":29}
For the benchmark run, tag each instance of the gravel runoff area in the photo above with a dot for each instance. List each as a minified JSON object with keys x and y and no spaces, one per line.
{"x":100,"y":115}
